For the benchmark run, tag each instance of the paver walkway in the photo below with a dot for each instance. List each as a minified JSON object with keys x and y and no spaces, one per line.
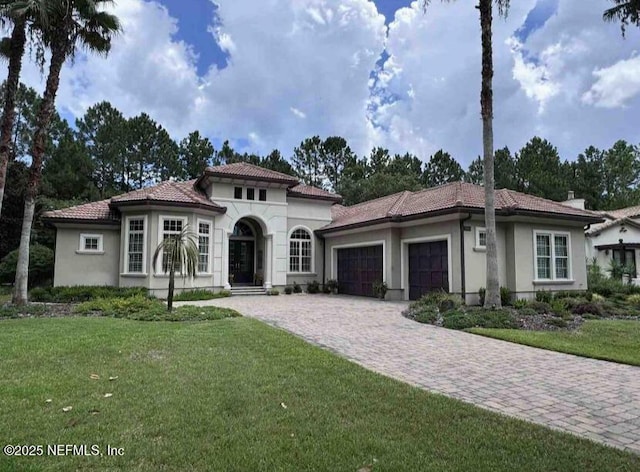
{"x":596,"y":399}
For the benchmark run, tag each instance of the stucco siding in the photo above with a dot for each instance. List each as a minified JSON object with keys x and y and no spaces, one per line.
{"x":73,"y":267}
{"x":526,"y":284}
{"x":612,"y":235}
{"x":222,"y":192}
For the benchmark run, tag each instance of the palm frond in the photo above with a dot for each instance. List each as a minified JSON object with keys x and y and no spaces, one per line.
{"x":178,"y":253}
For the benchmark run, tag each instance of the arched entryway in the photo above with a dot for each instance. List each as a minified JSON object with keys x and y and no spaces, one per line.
{"x":246,"y":254}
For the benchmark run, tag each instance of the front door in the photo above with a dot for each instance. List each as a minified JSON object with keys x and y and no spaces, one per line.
{"x":241,"y":262}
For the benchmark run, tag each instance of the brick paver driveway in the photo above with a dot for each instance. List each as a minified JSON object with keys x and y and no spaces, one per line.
{"x":596,"y":399}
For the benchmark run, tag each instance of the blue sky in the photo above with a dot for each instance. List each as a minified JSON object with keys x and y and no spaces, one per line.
{"x":267,"y":75}
{"x":195,"y":18}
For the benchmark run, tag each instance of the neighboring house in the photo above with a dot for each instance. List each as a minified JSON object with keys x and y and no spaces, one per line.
{"x":260,"y":227}
{"x":617,"y":238}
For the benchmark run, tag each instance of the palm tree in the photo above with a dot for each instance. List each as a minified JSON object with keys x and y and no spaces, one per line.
{"x":492,"y":297}
{"x":20,"y":13}
{"x":72,"y":23}
{"x":625,"y":11}
{"x":179,"y":254}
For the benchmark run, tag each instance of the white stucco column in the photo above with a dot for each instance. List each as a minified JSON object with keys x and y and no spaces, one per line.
{"x":225,"y":260}
{"x":268,"y":260}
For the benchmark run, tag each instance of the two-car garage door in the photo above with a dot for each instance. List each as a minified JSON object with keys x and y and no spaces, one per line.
{"x":360,"y":267}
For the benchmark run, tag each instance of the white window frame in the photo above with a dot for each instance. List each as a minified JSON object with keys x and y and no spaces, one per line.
{"x":552,"y":242}
{"x":209,"y":270}
{"x":479,"y":246}
{"x":312,"y":269}
{"x":83,"y":238}
{"x":145,"y":227}
{"x":161,"y":219}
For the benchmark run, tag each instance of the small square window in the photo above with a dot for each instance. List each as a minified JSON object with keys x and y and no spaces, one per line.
{"x":90,"y":243}
{"x":262,"y":195}
{"x":251,"y":194}
{"x":237,"y":193}
{"x":481,"y":238}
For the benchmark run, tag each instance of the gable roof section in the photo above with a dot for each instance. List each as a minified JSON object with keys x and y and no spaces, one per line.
{"x":315,"y":193}
{"x":95,"y":212}
{"x":600,"y":227}
{"x":449,"y":198}
{"x":244,"y":170}
{"x":182,"y":194}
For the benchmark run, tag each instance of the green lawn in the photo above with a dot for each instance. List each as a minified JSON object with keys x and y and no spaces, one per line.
{"x":611,"y":340}
{"x":212,"y":396}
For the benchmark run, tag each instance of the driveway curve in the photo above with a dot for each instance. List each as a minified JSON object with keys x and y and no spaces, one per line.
{"x":596,"y":399}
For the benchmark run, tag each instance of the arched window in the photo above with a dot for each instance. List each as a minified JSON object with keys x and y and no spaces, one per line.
{"x":242,"y":229}
{"x":300,"y":251}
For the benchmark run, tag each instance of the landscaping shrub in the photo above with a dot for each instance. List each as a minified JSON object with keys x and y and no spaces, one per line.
{"x":380,"y":289}
{"x":297,"y":288}
{"x":437,"y":298}
{"x":458,"y":320}
{"x":427,"y":316}
{"x":40,"y":266}
{"x":312,"y":287}
{"x":527,"y":311}
{"x":12,"y":311}
{"x":84,"y":293}
{"x":140,"y":308}
{"x":588,"y":307}
{"x":634,"y":300}
{"x":562,"y":294}
{"x":273,"y":291}
{"x":559,"y":306}
{"x":200,"y":294}
{"x":288,"y":290}
{"x":544,"y":296}
{"x":500,"y":319}
{"x":505,"y":296}
{"x":332,"y":285}
{"x":539,"y":307}
{"x":520,"y":303}
{"x":557,"y":322}
{"x":326,"y":289}
{"x":595,"y":297}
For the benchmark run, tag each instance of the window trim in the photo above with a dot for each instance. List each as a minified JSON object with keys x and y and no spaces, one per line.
{"x":83,"y":238}
{"x":145,"y":227}
{"x":209,"y":262}
{"x":157,"y":271}
{"x":478,"y":246}
{"x":312,"y":269}
{"x":552,"y":234}
{"x":235,"y":193}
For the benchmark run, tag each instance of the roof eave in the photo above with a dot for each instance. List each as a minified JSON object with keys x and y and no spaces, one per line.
{"x":315,"y":197}
{"x":53,"y":220}
{"x":147,"y":202}
{"x":463,"y":209}
{"x":227,"y":175}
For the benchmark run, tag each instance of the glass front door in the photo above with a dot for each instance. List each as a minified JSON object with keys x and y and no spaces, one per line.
{"x":241,"y":257}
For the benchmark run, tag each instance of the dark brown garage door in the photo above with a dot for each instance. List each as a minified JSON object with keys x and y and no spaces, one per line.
{"x":358,"y":269}
{"x":428,"y":268}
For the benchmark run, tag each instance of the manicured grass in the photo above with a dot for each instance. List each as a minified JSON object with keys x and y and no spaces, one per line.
{"x":611,"y":340}
{"x":237,"y":395}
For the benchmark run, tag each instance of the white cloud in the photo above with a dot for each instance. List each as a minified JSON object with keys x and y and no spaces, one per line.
{"x":298,"y":68}
{"x":615,"y":85}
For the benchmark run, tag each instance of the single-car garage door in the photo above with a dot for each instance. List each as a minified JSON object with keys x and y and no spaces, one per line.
{"x":358,"y":269}
{"x":428,"y":268}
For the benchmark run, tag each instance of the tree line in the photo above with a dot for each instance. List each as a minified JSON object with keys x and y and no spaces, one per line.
{"x":106,"y":154}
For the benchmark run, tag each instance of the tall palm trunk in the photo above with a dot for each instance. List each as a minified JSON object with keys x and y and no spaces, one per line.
{"x":492,"y":296}
{"x":58,"y":56}
{"x":18,"y":40}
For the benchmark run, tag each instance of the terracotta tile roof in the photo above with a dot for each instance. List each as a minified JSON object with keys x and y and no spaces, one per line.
{"x":244,"y":170}
{"x":89,"y":212}
{"x":449,"y":197}
{"x":182,"y":194}
{"x":308,"y":191}
{"x":616,"y":217}
{"x":175,"y":193}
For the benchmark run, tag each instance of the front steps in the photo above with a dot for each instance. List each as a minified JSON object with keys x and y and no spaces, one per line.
{"x":249,"y":290}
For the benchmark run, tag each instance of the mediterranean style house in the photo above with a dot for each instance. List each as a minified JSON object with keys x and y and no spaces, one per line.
{"x":617,"y":238}
{"x":260,"y":228}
